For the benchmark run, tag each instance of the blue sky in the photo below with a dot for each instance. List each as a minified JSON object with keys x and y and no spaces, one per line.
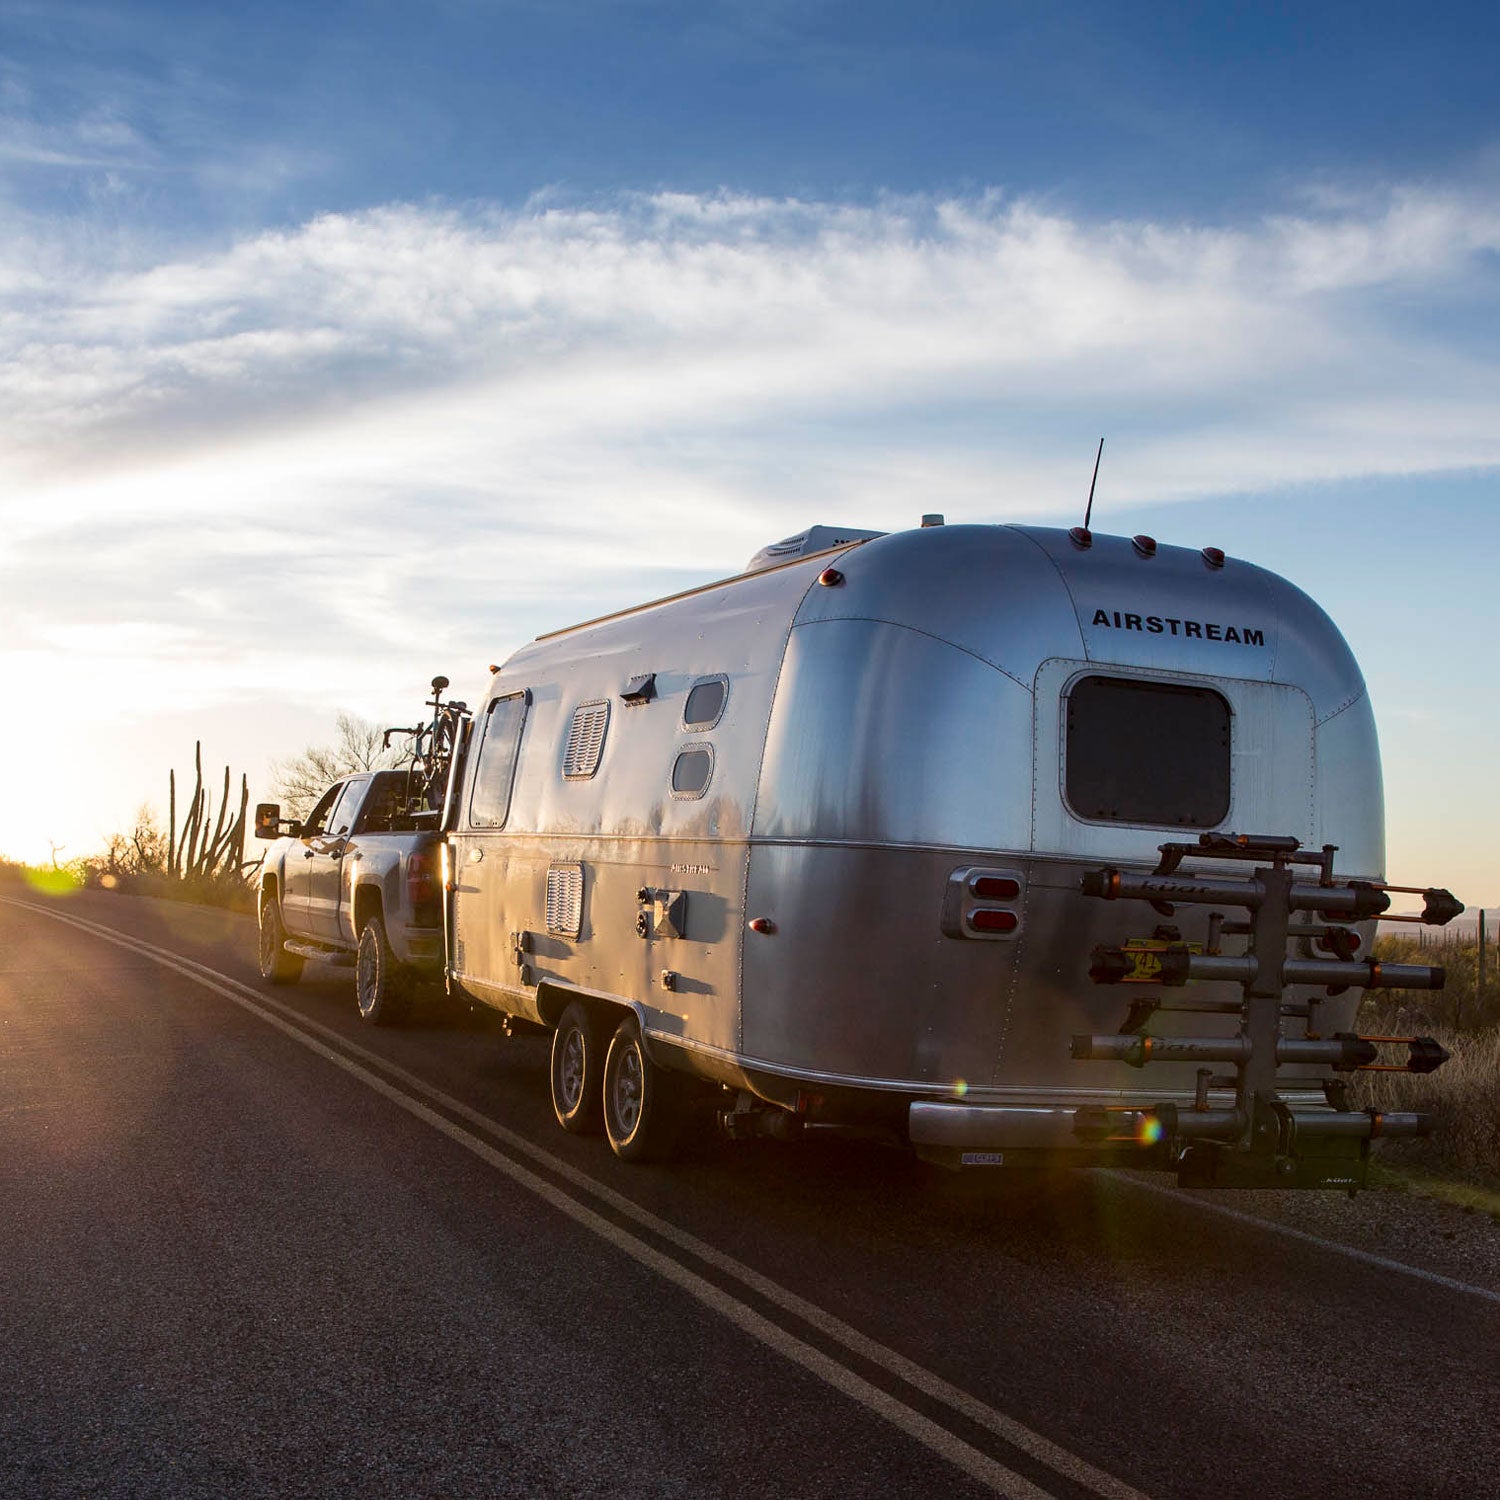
{"x":314,"y":315}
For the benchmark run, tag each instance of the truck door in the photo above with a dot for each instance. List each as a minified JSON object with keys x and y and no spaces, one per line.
{"x":296,"y":870}
{"x":327,"y":854}
{"x":477,"y":949}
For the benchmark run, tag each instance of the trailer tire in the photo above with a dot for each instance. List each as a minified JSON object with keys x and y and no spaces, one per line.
{"x":643,"y":1107}
{"x":578,"y":1049}
{"x":277,"y":966}
{"x":380,"y":987}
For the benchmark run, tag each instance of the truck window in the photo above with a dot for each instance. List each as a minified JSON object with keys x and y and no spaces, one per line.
{"x":348,"y":805}
{"x":489,"y":804}
{"x":317,"y":819}
{"x":1147,"y":752}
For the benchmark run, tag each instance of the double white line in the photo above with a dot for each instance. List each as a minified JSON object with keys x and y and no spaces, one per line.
{"x":353,"y":1059}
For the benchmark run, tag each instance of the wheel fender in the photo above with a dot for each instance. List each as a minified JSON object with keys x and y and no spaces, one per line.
{"x":366,"y":899}
{"x":553,"y":999}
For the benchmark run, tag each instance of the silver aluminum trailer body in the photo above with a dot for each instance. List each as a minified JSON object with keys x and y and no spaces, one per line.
{"x":902,"y":718}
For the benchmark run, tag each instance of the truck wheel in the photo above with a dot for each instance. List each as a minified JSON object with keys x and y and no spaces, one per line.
{"x":578,"y":1048}
{"x":277,"y":966}
{"x":642,"y":1102}
{"x":379,"y":985}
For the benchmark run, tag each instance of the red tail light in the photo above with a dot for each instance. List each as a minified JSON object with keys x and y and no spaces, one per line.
{"x":993,"y":919}
{"x":995,"y":887}
{"x":421,"y":880}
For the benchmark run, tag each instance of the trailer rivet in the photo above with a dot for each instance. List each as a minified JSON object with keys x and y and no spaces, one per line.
{"x":830,"y":578}
{"x":763,"y":925}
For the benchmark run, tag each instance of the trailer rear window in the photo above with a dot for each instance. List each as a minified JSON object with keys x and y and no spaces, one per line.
{"x":1147,"y":752}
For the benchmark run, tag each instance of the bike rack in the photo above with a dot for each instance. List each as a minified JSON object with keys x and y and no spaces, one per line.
{"x":1261,"y":1140}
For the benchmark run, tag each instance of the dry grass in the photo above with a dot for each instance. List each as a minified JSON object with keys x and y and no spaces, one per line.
{"x":1463,"y":1096}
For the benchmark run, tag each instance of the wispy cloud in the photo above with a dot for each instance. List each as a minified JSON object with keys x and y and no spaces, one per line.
{"x":507,"y":333}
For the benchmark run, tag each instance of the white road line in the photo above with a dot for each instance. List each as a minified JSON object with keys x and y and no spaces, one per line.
{"x":970,"y":1460}
{"x":1367,"y":1257}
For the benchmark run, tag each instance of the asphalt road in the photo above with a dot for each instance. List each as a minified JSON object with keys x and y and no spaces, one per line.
{"x":250,"y":1246}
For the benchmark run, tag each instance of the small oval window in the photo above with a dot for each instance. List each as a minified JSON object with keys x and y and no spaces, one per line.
{"x":691,"y":771}
{"x":705,"y":703}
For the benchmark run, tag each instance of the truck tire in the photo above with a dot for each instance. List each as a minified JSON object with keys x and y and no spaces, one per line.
{"x":643,"y":1107}
{"x":380,"y":987}
{"x":277,"y":966}
{"x":578,"y":1048}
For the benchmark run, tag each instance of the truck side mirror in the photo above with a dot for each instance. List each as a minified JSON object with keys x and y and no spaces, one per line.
{"x":267,"y":820}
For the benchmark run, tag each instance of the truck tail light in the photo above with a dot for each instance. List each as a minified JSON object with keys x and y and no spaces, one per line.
{"x":421,"y":880}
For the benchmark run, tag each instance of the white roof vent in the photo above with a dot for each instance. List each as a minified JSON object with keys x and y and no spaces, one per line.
{"x":805,"y":543}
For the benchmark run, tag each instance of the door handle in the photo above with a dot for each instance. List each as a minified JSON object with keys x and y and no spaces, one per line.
{"x":307,"y":854}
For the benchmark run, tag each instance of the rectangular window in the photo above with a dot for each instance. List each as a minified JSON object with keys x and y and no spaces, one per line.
{"x":489,"y":805}
{"x":1147,"y":752}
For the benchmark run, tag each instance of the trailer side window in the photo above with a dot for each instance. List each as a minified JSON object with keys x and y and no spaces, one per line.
{"x":489,"y":805}
{"x":692,"y":771}
{"x":1147,"y":752}
{"x":705,"y":703}
{"x":585,"y":740}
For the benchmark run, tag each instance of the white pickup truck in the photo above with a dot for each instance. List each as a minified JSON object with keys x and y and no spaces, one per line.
{"x":356,"y":883}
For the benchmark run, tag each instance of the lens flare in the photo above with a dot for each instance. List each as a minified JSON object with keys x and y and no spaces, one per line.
{"x":1150,"y":1131}
{"x":51,"y":882}
{"x":960,"y":1087}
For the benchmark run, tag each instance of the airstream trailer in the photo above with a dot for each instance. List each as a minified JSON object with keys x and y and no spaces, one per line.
{"x":817,"y":838}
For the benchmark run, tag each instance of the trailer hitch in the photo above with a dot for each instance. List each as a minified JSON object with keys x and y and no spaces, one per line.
{"x":1261,"y":1139}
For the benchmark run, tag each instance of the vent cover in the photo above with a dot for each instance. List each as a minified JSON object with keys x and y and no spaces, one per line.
{"x":565,"y":900}
{"x":585,"y":740}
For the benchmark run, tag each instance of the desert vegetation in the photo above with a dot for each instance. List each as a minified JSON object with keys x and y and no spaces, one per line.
{"x":1463,"y":1095}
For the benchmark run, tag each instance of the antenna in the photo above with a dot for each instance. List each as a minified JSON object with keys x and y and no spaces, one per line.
{"x":1089,"y":512}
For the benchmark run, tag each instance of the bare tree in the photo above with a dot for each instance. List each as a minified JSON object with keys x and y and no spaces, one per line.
{"x":300,"y":781}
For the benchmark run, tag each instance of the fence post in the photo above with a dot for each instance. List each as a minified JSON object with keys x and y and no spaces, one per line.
{"x":1479,"y":982}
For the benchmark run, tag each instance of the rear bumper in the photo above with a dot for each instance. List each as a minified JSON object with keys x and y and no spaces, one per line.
{"x":992,"y":1128}
{"x":423,"y":947}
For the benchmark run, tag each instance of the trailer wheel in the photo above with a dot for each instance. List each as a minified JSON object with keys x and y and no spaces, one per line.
{"x":578,"y":1049}
{"x":643,"y":1112}
{"x":379,"y":985}
{"x":277,"y":966}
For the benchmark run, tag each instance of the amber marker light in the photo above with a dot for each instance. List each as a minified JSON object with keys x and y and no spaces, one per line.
{"x":763,"y":925}
{"x":830,"y":578}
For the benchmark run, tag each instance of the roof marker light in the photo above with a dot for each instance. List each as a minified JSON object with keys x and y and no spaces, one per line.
{"x":830,"y":578}
{"x":1081,"y":537}
{"x":1145,"y":545}
{"x":1213,"y":556}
